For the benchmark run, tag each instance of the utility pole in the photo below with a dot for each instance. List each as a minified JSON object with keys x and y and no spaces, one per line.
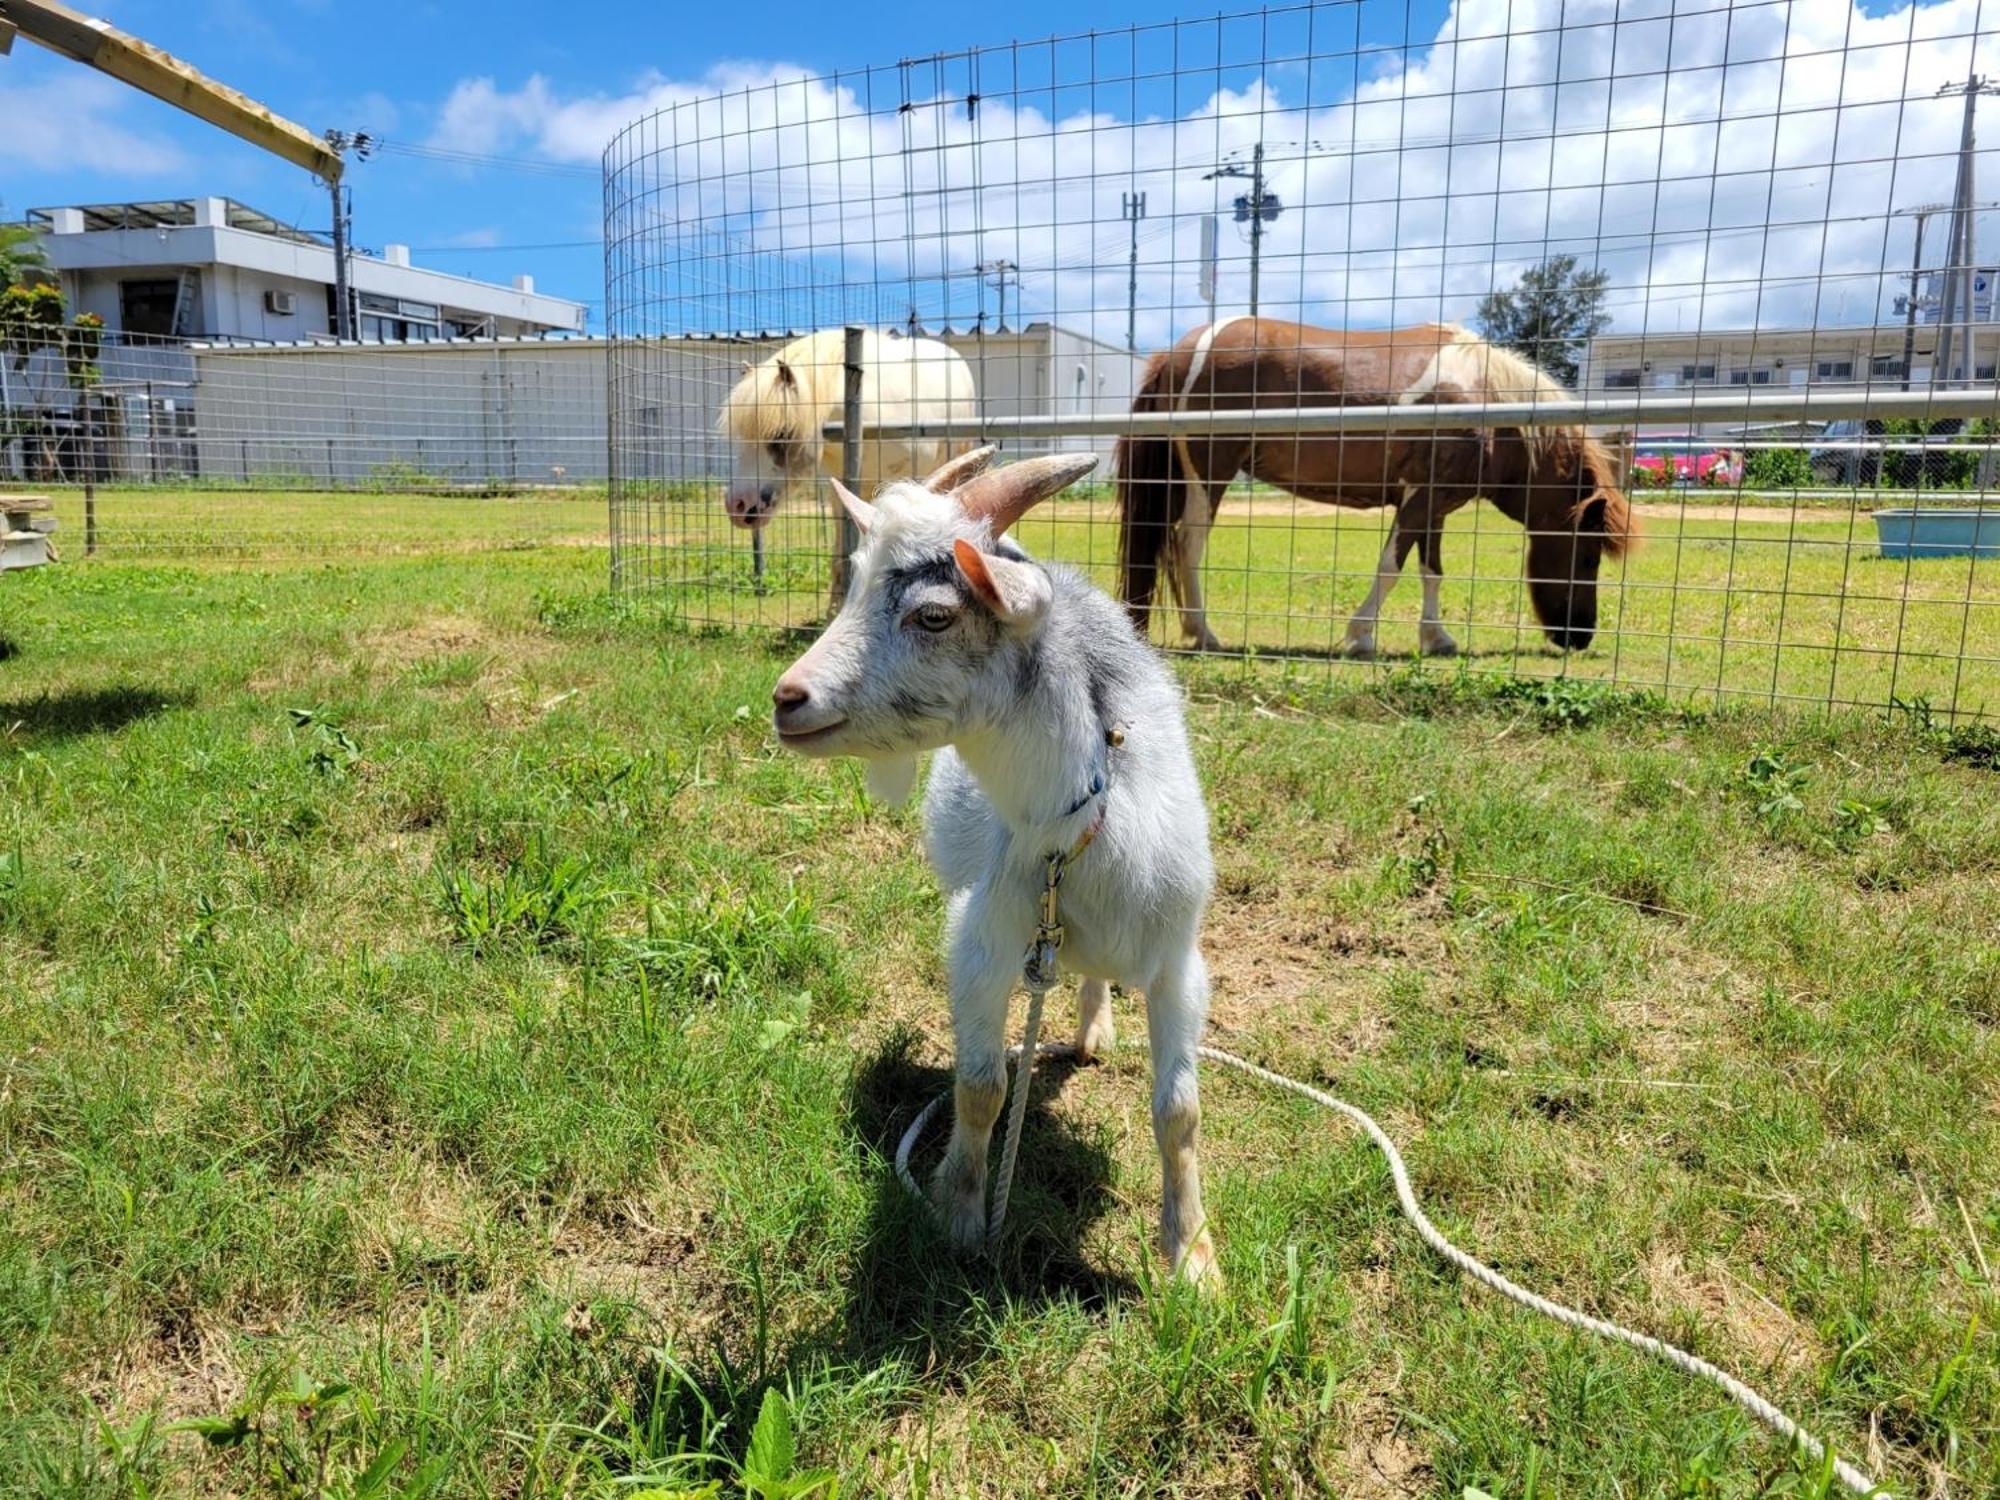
{"x":1255,"y":208}
{"x":1134,"y":209}
{"x":1913,"y":304}
{"x":1956,"y":361}
{"x":340,"y":142}
{"x":1002,"y":270}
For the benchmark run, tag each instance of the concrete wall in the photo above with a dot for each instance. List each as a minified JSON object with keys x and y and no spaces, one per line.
{"x":465,"y":413}
{"x":480,"y":412}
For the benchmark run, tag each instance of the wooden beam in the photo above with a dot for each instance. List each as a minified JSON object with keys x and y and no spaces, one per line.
{"x":145,"y":67}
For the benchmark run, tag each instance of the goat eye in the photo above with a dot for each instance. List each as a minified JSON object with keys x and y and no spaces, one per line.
{"x":934,"y":617}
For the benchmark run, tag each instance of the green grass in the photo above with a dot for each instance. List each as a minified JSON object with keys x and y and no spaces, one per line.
{"x":445,"y":1050}
{"x":249,"y":524}
{"x":1754,"y":604}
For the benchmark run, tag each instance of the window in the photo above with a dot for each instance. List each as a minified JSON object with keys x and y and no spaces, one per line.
{"x":1621,"y":380}
{"x":1836,"y":369}
{"x":398,"y":322}
{"x":1887,"y":365}
{"x":148,"y":306}
{"x":1749,"y":377}
{"x":1694,"y":374}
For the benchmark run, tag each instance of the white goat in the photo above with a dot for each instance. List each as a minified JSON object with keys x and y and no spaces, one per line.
{"x":1051,"y":719}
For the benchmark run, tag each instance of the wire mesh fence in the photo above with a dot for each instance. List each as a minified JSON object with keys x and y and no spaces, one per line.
{"x":170,"y":447}
{"x":1658,"y":335}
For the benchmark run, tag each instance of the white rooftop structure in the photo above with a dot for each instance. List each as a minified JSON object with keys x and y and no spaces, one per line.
{"x":214,"y":268}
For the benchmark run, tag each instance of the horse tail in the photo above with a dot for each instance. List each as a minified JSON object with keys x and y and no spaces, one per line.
{"x":1150,"y":502}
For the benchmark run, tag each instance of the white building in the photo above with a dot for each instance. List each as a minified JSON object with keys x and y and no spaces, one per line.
{"x":1776,"y":358}
{"x":211,"y":268}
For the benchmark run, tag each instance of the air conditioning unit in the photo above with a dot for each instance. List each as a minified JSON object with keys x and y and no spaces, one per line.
{"x":282,"y":303}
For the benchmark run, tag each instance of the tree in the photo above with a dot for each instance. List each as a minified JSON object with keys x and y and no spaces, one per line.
{"x":22,"y":258}
{"x":1548,"y":315}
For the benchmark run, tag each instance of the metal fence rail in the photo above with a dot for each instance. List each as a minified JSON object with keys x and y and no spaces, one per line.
{"x":1697,"y":220}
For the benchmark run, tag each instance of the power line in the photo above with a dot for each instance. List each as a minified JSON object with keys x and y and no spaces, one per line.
{"x":540,"y":165}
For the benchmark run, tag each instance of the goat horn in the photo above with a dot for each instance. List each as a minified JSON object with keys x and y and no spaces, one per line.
{"x":1005,"y":495}
{"x":953,"y":472}
{"x":862,"y":513}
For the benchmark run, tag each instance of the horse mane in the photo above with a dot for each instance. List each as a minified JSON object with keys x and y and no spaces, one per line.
{"x":767,"y":407}
{"x":1492,"y":373}
{"x":1600,"y":467}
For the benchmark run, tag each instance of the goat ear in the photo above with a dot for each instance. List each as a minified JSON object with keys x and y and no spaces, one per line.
{"x":1003,"y":496}
{"x":1017,"y":592}
{"x":858,"y":510}
{"x":786,"y":376}
{"x":953,"y":472}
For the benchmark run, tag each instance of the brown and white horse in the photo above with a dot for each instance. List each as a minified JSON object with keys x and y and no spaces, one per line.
{"x":1557,"y":481}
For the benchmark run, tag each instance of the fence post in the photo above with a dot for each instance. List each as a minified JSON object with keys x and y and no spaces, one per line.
{"x":89,"y":473}
{"x":850,"y":462}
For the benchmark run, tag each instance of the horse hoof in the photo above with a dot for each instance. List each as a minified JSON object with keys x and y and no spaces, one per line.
{"x":1358,"y":650}
{"x":1439,"y":645}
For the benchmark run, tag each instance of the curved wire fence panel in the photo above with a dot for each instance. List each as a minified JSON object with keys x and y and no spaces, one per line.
{"x":1654,"y":343}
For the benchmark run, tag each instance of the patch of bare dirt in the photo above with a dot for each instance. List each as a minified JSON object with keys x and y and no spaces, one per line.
{"x":435,"y":635}
{"x":1741,"y":1317}
{"x":1380,"y":1459}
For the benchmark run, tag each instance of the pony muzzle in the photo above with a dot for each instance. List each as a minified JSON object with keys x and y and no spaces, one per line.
{"x":751,"y":506}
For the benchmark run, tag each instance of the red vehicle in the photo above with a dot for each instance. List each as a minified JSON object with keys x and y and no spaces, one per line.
{"x":1670,"y":458}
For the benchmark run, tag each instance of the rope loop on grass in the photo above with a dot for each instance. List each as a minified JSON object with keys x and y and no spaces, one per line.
{"x":1855,"y":1479}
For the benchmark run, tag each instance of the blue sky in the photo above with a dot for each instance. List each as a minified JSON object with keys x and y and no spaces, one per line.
{"x":391,"y":67}
{"x":1726,"y":168}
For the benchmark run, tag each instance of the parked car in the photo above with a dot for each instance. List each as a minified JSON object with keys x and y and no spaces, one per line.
{"x":1842,"y":465}
{"x":1933,"y":466}
{"x":1657,"y":464}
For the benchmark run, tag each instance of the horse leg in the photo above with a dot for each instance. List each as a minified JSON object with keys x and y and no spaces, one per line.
{"x":1094,"y":1031}
{"x":1361,"y":628}
{"x":1432,"y":638}
{"x":1194,"y":528}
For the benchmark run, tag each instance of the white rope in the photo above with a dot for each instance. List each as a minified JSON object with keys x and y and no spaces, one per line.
{"x":1017,"y":1114}
{"x":1857,"y":1481}
{"x":1753,"y":1403}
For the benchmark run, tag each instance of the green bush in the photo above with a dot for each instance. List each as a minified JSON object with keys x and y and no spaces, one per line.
{"x":1776,"y":469}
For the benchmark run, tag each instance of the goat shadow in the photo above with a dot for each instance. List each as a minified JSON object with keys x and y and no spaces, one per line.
{"x":81,"y":711}
{"x":909,"y":1291}
{"x":910,"y":1298}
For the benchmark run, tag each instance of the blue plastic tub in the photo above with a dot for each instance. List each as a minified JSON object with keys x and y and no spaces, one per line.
{"x":1908,"y":532}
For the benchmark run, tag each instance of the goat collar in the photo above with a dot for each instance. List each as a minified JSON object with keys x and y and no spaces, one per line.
{"x":1100,"y":783}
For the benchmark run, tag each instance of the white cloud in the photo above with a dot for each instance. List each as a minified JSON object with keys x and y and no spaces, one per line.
{"x":72,"y":122}
{"x":1726,"y":166}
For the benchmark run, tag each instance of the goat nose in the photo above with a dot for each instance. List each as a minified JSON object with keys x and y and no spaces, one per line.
{"x":788,"y":695}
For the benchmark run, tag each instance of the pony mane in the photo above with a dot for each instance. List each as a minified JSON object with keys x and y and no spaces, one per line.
{"x":1495,"y":374}
{"x":766,"y":407}
{"x":1600,"y":467}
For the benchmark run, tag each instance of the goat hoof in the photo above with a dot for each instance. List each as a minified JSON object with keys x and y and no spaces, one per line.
{"x":963,"y":1215}
{"x":1093,"y":1040}
{"x":1197,"y":1266}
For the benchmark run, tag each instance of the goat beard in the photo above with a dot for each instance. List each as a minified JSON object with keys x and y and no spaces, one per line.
{"x":891,"y":778}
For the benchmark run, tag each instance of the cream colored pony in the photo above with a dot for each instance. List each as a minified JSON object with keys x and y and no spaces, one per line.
{"x":779,"y":408}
